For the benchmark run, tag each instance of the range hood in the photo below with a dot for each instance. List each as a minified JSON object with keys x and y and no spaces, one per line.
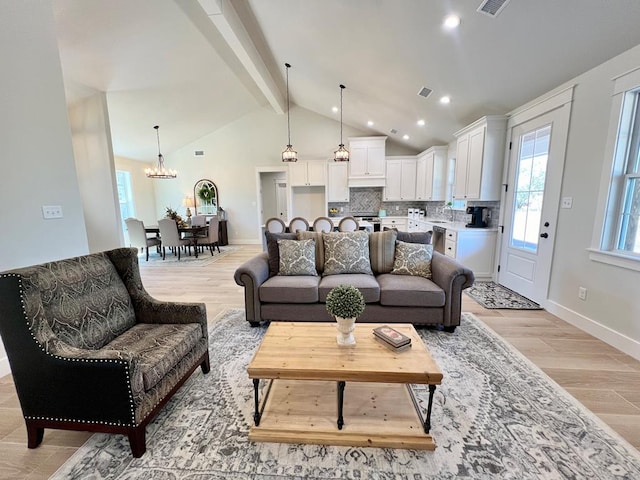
{"x":361,"y":182}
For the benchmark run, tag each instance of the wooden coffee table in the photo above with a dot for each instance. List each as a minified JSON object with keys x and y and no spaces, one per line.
{"x":308,"y":399}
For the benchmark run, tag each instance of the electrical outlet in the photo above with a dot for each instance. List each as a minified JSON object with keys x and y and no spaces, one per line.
{"x":397,"y":208}
{"x":52,"y":211}
{"x":567,"y":202}
{"x":582,"y":293}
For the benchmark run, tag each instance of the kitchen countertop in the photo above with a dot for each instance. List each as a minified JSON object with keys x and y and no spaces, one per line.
{"x":456,"y":226}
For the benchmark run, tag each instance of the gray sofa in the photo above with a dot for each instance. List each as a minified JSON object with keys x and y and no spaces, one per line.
{"x":107,"y":355}
{"x":389,"y":298}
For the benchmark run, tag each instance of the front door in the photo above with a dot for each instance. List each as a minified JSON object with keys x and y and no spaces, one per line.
{"x":536,"y":163}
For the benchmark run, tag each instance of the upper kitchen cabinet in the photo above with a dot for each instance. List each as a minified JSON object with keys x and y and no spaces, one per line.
{"x":431,"y":174}
{"x":338,"y":182}
{"x":308,"y":173}
{"x":479,"y":156}
{"x":367,"y":161}
{"x":401,"y":179}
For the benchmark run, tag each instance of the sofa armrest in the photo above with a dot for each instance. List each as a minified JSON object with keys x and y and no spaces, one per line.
{"x":250,"y":275}
{"x":147,"y":308}
{"x":452,"y":277}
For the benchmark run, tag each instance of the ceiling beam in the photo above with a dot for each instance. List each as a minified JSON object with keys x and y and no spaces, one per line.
{"x":226,"y":20}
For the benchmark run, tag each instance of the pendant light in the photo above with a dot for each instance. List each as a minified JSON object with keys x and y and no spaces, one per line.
{"x":160,"y":171}
{"x":342,"y":154}
{"x":289,"y":154}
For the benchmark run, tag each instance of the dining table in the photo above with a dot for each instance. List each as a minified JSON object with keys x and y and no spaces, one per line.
{"x":196,"y":232}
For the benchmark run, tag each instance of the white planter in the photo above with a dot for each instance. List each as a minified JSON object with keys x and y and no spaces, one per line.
{"x":346,"y":326}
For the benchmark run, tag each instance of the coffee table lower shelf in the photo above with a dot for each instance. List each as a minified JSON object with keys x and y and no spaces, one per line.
{"x":375,"y":415}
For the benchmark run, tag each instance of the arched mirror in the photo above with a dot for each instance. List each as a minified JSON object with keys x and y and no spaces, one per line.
{"x":206,"y":197}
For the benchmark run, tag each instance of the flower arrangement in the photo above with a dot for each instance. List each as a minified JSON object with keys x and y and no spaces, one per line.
{"x":345,"y":301}
{"x":173,"y":215}
{"x":333,"y":211}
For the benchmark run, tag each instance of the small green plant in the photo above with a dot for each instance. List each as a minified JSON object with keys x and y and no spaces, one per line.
{"x":345,"y":301}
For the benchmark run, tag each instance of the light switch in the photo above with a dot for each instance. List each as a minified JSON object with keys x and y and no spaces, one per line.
{"x":567,"y":202}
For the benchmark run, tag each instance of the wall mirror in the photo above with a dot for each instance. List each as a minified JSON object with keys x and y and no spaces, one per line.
{"x":206,"y":197}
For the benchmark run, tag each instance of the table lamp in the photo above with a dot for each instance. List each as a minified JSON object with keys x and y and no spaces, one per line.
{"x":188,"y":202}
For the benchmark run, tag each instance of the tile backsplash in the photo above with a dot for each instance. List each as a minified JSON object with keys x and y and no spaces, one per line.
{"x":370,"y":200}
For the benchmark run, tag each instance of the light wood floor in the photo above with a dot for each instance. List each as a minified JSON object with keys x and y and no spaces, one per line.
{"x":605,"y":380}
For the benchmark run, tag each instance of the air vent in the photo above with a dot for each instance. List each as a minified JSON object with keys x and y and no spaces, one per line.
{"x":394,"y":131}
{"x":492,"y":7}
{"x":425,"y":92}
{"x":198,"y":153}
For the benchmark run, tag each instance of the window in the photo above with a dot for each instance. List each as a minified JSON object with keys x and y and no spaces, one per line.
{"x":125,"y":196}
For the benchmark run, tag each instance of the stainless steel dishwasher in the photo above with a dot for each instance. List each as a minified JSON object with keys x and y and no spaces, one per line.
{"x":438,"y":238}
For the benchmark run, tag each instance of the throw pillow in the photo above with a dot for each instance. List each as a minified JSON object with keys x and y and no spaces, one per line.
{"x":297,"y":257}
{"x":273,"y":251}
{"x":415,"y":237}
{"x":346,"y":252}
{"x":382,"y":248}
{"x":413,"y":259}
{"x":317,"y":236}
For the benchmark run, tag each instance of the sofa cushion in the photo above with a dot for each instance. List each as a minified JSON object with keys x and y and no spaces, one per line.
{"x":285,"y":289}
{"x":297,"y":257}
{"x":367,"y":285}
{"x":273,"y":251}
{"x":409,"y":291}
{"x":317,"y":236}
{"x":346,"y":252}
{"x":413,"y":259}
{"x":157,"y":348}
{"x":382,"y":248}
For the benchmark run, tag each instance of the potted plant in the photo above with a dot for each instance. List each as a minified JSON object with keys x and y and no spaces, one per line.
{"x":346,"y":303}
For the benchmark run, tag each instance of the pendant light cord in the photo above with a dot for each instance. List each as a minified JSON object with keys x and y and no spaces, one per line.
{"x":288,"y":115}
{"x":342,"y":87}
{"x":157,"y":127}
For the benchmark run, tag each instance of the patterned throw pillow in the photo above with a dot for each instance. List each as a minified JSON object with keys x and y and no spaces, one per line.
{"x":413,"y":259}
{"x":317,"y":236}
{"x":297,"y":257}
{"x":382,"y":248}
{"x":346,"y":252}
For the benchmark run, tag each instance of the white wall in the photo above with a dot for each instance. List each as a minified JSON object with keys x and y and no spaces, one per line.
{"x":612,"y":308}
{"x":37,"y":155}
{"x":92,"y":148}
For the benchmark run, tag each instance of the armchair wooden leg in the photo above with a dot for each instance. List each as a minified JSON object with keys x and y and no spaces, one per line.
{"x":137,"y":441}
{"x":34,"y":435}
{"x":205,"y":365}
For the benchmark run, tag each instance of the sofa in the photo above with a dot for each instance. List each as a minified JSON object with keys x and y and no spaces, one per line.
{"x":426,"y":291}
{"x":90,"y":350}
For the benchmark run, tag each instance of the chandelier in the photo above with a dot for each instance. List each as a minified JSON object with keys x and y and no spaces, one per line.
{"x":160,"y":171}
{"x":289,"y":154}
{"x":342,"y":154}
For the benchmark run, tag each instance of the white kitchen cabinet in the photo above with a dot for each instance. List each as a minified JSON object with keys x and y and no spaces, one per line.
{"x":394,"y":222}
{"x":367,"y":161}
{"x":474,"y":248}
{"x":308,"y":173}
{"x":479,"y":157}
{"x":431,"y":174}
{"x":337,"y":182}
{"x":401,"y":179}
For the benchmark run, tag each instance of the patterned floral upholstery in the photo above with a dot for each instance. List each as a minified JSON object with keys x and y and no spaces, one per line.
{"x":346,"y":252}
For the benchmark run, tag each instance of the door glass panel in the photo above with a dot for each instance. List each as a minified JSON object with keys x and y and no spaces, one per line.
{"x":529,"y":194}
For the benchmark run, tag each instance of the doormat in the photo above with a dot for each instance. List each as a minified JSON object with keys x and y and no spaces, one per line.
{"x":493,"y":296}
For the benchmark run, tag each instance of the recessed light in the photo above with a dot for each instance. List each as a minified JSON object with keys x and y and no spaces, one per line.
{"x":405,"y":136}
{"x":451,"y":21}
{"x":370,"y":123}
{"x":421,"y":123}
{"x":445,"y":100}
{"x":334,"y":109}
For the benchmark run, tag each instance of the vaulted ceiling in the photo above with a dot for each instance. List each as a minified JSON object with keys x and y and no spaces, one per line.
{"x":193,"y":66}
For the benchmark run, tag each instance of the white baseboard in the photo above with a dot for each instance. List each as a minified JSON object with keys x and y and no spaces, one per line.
{"x":4,"y":367}
{"x":615,"y":339}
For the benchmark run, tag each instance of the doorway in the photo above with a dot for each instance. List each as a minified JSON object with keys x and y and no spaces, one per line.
{"x":535,"y":167}
{"x":273,"y":195}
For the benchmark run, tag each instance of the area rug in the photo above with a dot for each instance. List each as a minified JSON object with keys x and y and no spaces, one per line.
{"x":204,"y":258}
{"x":491,"y":295}
{"x":495,"y":415}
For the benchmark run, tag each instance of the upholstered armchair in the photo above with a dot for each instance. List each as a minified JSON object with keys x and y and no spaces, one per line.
{"x":90,"y":350}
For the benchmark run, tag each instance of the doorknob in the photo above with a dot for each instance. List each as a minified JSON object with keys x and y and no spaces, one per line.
{"x":544,"y":235}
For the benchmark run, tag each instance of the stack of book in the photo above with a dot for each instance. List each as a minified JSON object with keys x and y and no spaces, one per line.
{"x":391,"y":338}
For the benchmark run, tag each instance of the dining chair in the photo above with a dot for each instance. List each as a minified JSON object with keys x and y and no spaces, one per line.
{"x":198,"y":220}
{"x":298,"y":223}
{"x":323,"y":224}
{"x":348,"y":224}
{"x":275,"y":225}
{"x":171,"y":237}
{"x":212,"y":240}
{"x":138,"y":237}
